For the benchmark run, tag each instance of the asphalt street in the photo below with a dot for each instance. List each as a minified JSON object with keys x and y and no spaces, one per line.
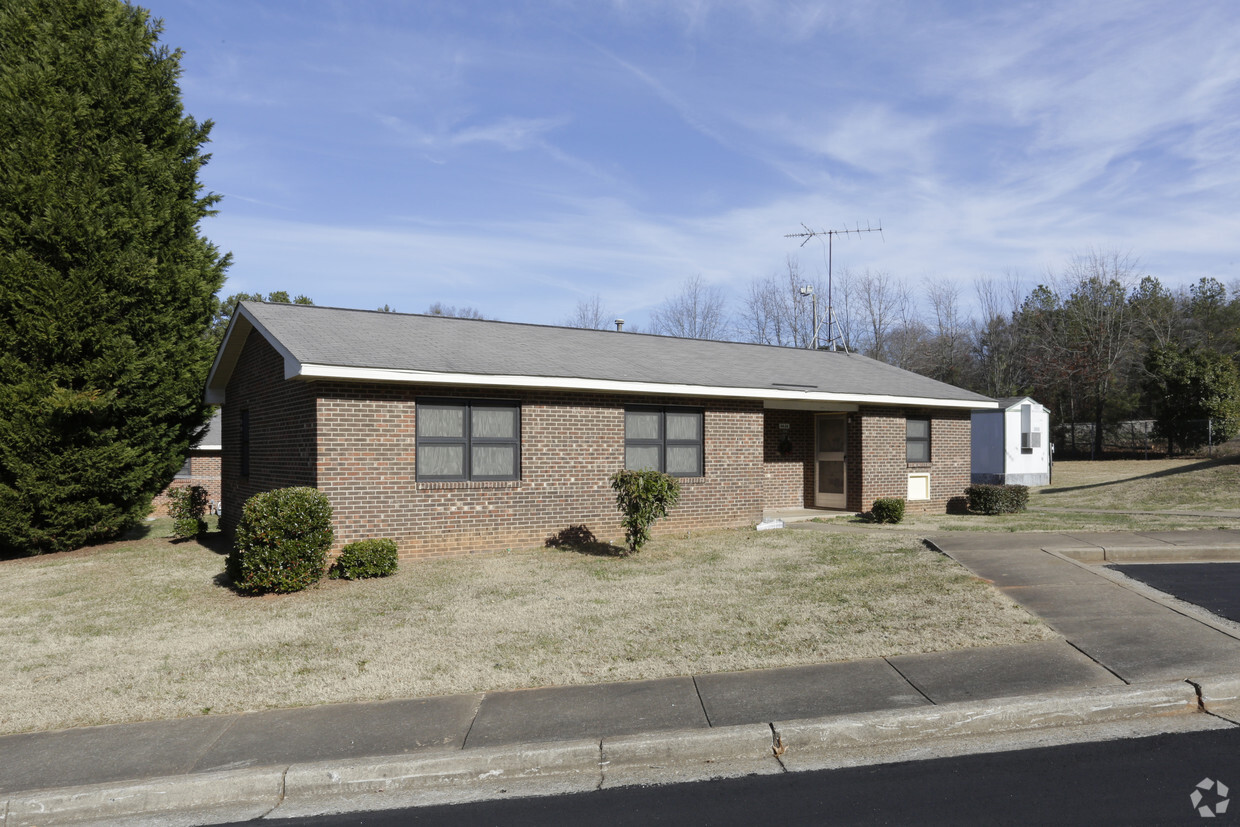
{"x":1212,"y":586}
{"x":1133,"y":781}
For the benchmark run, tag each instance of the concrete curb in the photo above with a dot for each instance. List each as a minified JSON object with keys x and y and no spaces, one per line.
{"x":214,"y":797}
{"x":1060,"y":709}
{"x":448,"y":776}
{"x":690,"y":754}
{"x":454,"y":776}
{"x":1220,"y":695}
{"x":1174,"y":554}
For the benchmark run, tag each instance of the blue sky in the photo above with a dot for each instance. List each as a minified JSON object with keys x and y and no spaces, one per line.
{"x":521,"y":156}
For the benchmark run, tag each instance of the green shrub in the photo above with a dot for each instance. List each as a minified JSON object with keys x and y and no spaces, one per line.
{"x":187,"y":505}
{"x":282,"y":541}
{"x":365,"y":558}
{"x":643,"y":497}
{"x":997,"y":499}
{"x":958,"y":505}
{"x":887,"y":510}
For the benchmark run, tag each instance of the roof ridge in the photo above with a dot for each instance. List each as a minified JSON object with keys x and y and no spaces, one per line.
{"x":546,"y":326}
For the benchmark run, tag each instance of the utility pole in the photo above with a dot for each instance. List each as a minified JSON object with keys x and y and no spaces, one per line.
{"x":808,"y":291}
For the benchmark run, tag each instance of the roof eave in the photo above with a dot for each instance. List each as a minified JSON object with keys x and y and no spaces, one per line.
{"x":239,"y":327}
{"x":356,"y":374}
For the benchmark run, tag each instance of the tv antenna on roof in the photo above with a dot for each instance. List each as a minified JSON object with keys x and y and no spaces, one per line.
{"x":808,"y":290}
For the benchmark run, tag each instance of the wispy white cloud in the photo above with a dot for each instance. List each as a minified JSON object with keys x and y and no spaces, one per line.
{"x":581,"y":148}
{"x":510,"y":133}
{"x":686,"y":111}
{"x":870,"y":137}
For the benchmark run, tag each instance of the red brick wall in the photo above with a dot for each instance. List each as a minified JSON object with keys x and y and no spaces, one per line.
{"x":883,"y":468}
{"x":571,"y":443}
{"x":282,"y":429}
{"x":855,"y":462}
{"x":788,"y":478}
{"x":876,"y":458}
{"x":204,"y":470}
{"x":951,"y":458}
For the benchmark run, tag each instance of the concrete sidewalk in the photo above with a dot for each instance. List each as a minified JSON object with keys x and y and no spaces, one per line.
{"x":1127,"y":656}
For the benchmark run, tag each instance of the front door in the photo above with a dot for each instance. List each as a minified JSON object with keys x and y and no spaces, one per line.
{"x":831,"y":440}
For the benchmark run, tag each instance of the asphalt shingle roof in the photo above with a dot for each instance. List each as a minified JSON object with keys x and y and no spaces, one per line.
{"x":402,"y":342}
{"x":213,"y":437}
{"x":1008,"y":401}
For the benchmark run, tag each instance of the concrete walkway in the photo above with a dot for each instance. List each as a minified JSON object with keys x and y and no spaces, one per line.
{"x":1126,"y":656}
{"x":1133,"y":635}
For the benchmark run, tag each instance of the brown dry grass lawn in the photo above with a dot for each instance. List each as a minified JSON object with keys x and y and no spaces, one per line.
{"x":147,"y":628}
{"x":1105,"y":493}
{"x":1146,"y":485}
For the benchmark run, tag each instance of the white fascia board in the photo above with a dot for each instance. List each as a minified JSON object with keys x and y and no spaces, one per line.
{"x":226,"y":358}
{"x":240,"y":325}
{"x":312,"y":371}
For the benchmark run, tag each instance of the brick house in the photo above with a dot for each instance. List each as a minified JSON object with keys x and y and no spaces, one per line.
{"x":452,"y":436}
{"x":202,"y":467}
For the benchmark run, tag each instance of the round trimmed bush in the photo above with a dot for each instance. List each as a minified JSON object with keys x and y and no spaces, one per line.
{"x":888,"y":510}
{"x":365,"y":558}
{"x":282,"y":541}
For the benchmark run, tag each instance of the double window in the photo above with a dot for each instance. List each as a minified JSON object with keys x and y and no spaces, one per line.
{"x":917,"y":439}
{"x":663,"y":439}
{"x":468,"y":440}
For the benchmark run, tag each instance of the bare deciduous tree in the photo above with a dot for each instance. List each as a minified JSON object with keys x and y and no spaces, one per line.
{"x":998,"y":357}
{"x":775,"y":312}
{"x":698,"y":311}
{"x":878,"y":303}
{"x":441,"y":309}
{"x":947,"y":349}
{"x":909,"y":340}
{"x":590,"y":314}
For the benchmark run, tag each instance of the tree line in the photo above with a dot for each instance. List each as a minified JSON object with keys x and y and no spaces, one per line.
{"x":1097,"y":341}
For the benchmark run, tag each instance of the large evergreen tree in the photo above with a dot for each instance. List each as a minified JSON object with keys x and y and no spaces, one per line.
{"x":1189,"y":388}
{"x":106,"y":286}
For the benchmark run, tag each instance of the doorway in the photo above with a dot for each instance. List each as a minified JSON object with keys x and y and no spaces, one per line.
{"x":830,"y":469}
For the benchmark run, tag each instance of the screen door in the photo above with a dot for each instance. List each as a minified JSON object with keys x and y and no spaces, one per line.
{"x":831,"y":440}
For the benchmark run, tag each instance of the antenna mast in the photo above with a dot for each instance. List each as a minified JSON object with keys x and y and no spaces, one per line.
{"x":831,"y":234}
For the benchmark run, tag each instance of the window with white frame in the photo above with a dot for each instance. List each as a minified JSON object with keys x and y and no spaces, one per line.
{"x":468,"y":440}
{"x":664,"y":439}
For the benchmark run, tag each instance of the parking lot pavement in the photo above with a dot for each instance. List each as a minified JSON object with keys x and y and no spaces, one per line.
{"x":1214,"y":587}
